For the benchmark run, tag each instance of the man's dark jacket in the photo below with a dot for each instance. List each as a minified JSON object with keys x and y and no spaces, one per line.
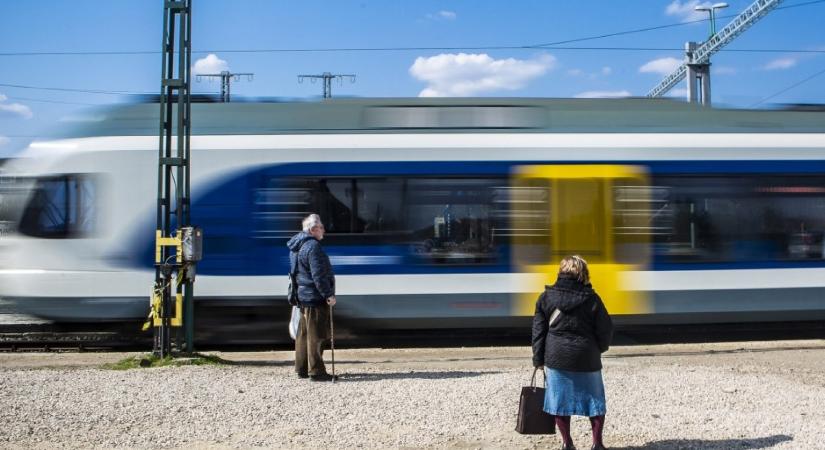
{"x":316,"y":280}
{"x":579,"y":335}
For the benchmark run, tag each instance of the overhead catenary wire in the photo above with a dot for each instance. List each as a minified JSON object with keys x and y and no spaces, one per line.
{"x":402,"y":49}
{"x":546,"y":46}
{"x":798,"y":83}
{"x":26,"y":99}
{"x":556,"y":45}
{"x":660,"y":27}
{"x":62,"y":89}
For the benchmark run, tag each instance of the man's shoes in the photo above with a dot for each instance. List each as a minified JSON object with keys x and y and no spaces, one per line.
{"x":568,"y":446}
{"x":302,"y":374}
{"x":323,"y":377}
{"x":598,"y":447}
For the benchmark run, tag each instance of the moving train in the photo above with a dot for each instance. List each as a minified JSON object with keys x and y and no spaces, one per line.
{"x":439,"y":212}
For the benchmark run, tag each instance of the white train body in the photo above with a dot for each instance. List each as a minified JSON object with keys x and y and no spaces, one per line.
{"x":92,"y":269}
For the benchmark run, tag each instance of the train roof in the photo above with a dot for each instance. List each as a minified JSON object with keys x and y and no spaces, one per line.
{"x":446,"y":115}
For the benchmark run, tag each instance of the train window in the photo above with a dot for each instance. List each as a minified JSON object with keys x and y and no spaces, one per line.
{"x":354,"y":210}
{"x":744,"y":219}
{"x":378,"y":203}
{"x":61,"y":207}
{"x":452,"y":221}
{"x":333,"y":201}
{"x":359,"y":211}
{"x":640,"y":211}
{"x":13,"y":195}
{"x":279,"y":206}
{"x":523,"y":218}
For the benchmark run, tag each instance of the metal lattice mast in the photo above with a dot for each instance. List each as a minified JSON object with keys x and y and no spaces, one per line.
{"x":700,"y":55}
{"x":226,"y":81}
{"x":327,"y":80}
{"x":173,"y":208}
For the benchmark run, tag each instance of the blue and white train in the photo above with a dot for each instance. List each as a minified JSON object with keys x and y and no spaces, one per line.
{"x":439,"y":212}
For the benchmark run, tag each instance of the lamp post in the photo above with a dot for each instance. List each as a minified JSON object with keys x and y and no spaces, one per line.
{"x":712,"y":11}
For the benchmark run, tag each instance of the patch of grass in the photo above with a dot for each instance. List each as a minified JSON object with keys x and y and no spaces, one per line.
{"x":148,"y":361}
{"x":201,"y":359}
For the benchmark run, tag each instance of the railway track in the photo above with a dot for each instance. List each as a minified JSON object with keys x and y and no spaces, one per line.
{"x":49,"y":337}
{"x":68,"y":341}
{"x":46,"y":337}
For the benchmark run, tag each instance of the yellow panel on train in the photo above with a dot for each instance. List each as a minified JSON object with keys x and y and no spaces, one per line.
{"x":600,"y":212}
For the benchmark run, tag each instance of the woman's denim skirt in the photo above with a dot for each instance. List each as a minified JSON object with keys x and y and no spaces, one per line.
{"x":574,"y":393}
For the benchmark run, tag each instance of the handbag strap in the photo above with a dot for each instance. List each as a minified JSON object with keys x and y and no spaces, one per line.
{"x":554,"y":316}
{"x":293,"y":265}
{"x":533,"y":379}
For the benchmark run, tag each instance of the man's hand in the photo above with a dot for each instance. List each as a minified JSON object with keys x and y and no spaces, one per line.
{"x":539,"y":367}
{"x":331,"y":301}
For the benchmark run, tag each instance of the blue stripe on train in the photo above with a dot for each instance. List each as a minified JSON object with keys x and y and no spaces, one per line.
{"x":225,"y":211}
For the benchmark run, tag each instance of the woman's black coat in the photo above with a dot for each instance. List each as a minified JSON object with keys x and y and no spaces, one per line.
{"x":581,"y":332}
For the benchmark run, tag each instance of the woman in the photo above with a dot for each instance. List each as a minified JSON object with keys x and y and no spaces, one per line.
{"x":571,"y":329}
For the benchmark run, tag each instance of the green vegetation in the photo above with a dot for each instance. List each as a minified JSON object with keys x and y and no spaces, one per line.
{"x":147,"y":361}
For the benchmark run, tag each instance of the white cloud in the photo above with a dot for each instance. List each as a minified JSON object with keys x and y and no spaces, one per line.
{"x":662,"y":66}
{"x":687,"y":10}
{"x":603,"y":72}
{"x":677,"y":92}
{"x":3,"y":141}
{"x":14,"y":109}
{"x":209,"y":64}
{"x":603,"y":94}
{"x":443,"y":15}
{"x":462,"y":74}
{"x":724,"y":70}
{"x":780,"y":64}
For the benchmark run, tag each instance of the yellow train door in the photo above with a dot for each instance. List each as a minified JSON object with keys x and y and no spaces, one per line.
{"x":599,"y":212}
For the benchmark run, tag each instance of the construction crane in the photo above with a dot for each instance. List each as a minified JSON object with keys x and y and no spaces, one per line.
{"x":697,"y":57}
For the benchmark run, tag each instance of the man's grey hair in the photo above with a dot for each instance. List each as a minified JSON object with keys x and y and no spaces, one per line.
{"x":311,"y":221}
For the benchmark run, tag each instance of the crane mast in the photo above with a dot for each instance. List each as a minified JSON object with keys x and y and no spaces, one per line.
{"x":697,"y":56}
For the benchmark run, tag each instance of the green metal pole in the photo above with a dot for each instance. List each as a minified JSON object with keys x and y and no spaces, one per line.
{"x":712,"y":22}
{"x":189,"y":307}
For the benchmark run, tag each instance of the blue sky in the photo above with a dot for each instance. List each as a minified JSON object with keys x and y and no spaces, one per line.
{"x":740,"y":79}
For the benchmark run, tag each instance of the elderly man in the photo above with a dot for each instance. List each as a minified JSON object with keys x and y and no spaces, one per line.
{"x":316,"y":290}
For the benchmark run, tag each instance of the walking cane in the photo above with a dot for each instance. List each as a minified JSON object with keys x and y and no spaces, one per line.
{"x":332,"y":340}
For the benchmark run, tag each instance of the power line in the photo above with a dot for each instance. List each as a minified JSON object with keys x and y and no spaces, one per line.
{"x":545,"y":46}
{"x":401,"y":49}
{"x":660,"y":27}
{"x":26,"y":99}
{"x":788,"y":88}
{"x":85,"y":91}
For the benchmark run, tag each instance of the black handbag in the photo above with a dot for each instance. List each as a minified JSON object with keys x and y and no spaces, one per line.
{"x":531,"y":416}
{"x":292,"y":290}
{"x":292,"y":286}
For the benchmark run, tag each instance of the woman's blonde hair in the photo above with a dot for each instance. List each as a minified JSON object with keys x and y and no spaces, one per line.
{"x":575,"y":265}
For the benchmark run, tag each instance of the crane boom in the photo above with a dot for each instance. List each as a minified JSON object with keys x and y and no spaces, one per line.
{"x":702,"y":53}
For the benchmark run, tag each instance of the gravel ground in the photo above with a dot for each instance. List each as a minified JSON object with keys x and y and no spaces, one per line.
{"x":720,"y":396}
